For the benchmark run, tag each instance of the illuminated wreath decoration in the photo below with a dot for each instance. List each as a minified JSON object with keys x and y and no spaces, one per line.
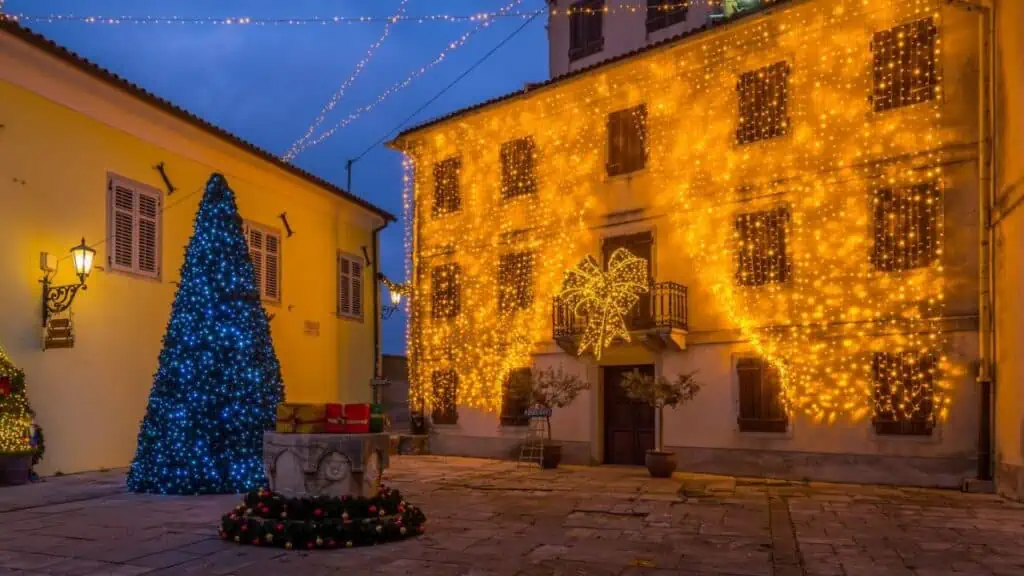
{"x":265,"y":518}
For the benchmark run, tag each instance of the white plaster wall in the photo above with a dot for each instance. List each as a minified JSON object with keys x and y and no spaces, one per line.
{"x":624,"y":31}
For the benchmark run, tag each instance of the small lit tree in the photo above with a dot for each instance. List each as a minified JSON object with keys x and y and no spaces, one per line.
{"x":549,"y":388}
{"x":660,"y":392}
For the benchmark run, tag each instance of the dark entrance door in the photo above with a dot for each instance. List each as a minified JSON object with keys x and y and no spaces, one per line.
{"x":628,"y":425}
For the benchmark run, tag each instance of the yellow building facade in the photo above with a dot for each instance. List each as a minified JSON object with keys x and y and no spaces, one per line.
{"x":808,"y":185}
{"x":75,"y":142}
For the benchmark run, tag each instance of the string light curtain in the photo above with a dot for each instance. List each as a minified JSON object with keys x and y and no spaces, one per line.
{"x":795,"y":210}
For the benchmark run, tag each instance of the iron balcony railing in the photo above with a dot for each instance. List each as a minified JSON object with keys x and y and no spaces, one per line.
{"x":664,"y":306}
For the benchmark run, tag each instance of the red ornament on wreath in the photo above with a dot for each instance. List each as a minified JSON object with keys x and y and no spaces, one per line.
{"x":5,"y":386}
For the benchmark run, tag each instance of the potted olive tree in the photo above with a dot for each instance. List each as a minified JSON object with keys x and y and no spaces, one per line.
{"x":546,"y":390}
{"x":658,"y":393}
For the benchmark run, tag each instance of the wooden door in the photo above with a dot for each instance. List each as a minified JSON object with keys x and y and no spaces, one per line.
{"x":642,"y":246}
{"x":628,"y":425}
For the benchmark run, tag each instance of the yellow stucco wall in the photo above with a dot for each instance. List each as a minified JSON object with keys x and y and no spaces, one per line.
{"x":63,"y":132}
{"x":696,"y":178}
{"x":1009,"y":249}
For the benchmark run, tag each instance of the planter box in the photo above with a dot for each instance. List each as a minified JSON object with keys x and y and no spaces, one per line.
{"x":15,"y":469}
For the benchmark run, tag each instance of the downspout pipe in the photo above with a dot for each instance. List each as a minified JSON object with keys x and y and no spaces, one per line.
{"x":376,"y":300}
{"x":986,"y":244}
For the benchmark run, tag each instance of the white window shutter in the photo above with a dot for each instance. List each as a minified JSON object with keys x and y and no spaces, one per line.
{"x":148,"y":236}
{"x":344,"y":286}
{"x":272,"y":267}
{"x":255,"y":238}
{"x":122,"y":227}
{"x":357,"y":289}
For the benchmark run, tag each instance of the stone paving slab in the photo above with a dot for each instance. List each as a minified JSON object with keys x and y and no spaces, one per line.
{"x":490,"y":518}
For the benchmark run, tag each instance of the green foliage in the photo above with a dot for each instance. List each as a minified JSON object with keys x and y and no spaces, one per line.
{"x":660,"y":392}
{"x":549,"y":388}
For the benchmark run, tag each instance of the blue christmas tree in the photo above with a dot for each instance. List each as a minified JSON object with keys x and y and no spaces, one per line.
{"x":219,"y":382}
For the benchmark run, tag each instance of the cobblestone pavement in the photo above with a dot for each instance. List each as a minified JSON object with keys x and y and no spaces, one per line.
{"x":488,"y":518}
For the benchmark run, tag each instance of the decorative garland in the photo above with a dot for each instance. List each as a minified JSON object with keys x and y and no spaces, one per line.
{"x":265,"y":518}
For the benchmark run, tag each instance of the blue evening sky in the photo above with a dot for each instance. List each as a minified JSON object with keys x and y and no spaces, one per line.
{"x":267,"y":84}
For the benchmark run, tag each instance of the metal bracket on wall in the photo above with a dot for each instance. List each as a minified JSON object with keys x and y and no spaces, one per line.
{"x":167,"y":181}
{"x":287,"y":227}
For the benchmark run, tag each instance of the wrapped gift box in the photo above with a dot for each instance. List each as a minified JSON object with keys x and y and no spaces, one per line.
{"x":357,"y":418}
{"x":335,"y":419}
{"x":301,"y":418}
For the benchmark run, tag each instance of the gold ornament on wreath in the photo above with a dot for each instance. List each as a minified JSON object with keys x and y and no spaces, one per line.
{"x":604,"y":297}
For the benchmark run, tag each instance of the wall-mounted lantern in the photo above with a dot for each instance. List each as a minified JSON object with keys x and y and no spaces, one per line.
{"x":395,"y":292}
{"x":57,"y":299}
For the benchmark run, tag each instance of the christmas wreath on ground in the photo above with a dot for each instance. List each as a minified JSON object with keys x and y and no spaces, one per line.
{"x":267,"y":519}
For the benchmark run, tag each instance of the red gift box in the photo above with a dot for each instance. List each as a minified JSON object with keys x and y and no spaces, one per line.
{"x":357,"y":418}
{"x":335,"y":419}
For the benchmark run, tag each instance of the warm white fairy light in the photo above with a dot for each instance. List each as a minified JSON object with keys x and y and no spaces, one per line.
{"x":397,"y":87}
{"x":318,"y":20}
{"x":348,"y":82}
{"x":814,"y":164}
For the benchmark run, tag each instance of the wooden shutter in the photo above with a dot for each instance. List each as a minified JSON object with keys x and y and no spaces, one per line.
{"x":760,"y":394}
{"x":272,"y":267}
{"x":445,"y":385}
{"x":514,"y":405}
{"x":357,"y":288}
{"x":444,"y":282}
{"x":135,"y":227}
{"x":895,"y":376}
{"x":627,"y":135}
{"x":148,"y":219}
{"x":256,"y":242}
{"x":447,"y":197}
{"x":122,"y":218}
{"x":905,"y":67}
{"x":350,"y":286}
{"x":517,"y":173}
{"x":762,"y":96}
{"x":515,"y":281}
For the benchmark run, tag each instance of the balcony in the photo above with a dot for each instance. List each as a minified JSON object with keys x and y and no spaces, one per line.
{"x":659,"y":316}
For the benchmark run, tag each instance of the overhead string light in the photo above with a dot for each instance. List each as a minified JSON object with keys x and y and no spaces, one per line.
{"x":811,"y":225}
{"x":351,"y":117}
{"x":322,"y":20}
{"x":348,"y":82}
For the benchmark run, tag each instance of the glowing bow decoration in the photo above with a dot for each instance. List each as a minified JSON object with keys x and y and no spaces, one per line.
{"x":605,"y":297}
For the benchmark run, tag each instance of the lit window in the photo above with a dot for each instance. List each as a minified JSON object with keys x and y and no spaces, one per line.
{"x":447,"y":198}
{"x":515,"y":281}
{"x":906,"y":222}
{"x":627,"y":136}
{"x":762,"y":102}
{"x":517,"y":170}
{"x":905,"y":65}
{"x":445,"y":284}
{"x":761,"y":247}
{"x":904,"y":393}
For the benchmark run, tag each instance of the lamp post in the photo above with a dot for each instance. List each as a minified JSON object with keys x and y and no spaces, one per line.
{"x":57,"y":299}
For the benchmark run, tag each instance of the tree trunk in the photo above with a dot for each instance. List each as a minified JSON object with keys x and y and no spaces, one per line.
{"x":659,"y":432}
{"x":548,"y":418}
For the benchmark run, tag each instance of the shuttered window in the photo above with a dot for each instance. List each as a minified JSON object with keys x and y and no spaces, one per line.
{"x":135,"y":227}
{"x":762,"y":103}
{"x":761,"y":407}
{"x":586,"y":28}
{"x":905,"y":65}
{"x":265,"y":252}
{"x":906,"y":222}
{"x":627,"y":140}
{"x":904,"y":393}
{"x":515,"y":281}
{"x":517,"y":170}
{"x":665,"y":13}
{"x":761,"y":247}
{"x":444,"y":280}
{"x":350,"y":286}
{"x":447,"y":198}
{"x":513,"y":403}
{"x":445,"y":385}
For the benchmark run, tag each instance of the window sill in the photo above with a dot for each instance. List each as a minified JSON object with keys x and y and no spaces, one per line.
{"x":581,"y":53}
{"x":624,"y":175}
{"x":358,"y":319}
{"x":769,"y":427}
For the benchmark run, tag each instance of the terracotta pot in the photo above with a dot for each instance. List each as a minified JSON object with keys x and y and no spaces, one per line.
{"x":660,"y":464}
{"x":552,"y":456}
{"x":15,"y":469}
